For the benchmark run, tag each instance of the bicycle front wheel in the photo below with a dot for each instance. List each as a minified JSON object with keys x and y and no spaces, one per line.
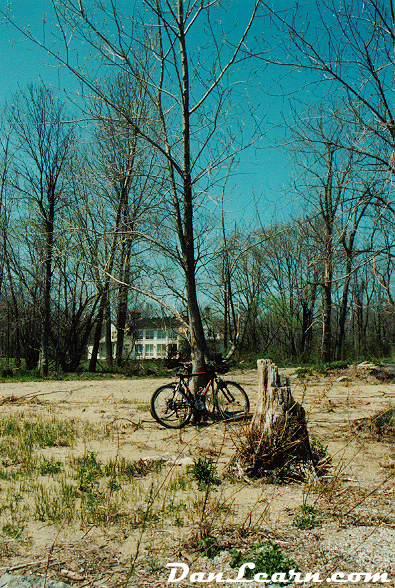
{"x":231,"y":401}
{"x":171,"y":407}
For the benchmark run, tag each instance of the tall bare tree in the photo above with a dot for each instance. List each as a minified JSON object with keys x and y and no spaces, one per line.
{"x":44,"y":146}
{"x":194,"y":68}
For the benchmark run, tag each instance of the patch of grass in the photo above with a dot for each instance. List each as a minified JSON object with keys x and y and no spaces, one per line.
{"x":38,"y":431}
{"x":330,"y":367}
{"x":381,"y":424}
{"x":267,"y":557}
{"x":55,"y":504}
{"x":51,"y":432}
{"x":127,"y":470}
{"x":144,"y":517}
{"x":302,"y":372}
{"x":17,"y":459}
{"x":14,"y":512}
{"x":50,"y":467}
{"x":179,"y":482}
{"x":305,"y":518}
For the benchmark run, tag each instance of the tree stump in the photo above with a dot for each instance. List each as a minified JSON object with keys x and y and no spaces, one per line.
{"x":277,"y":441}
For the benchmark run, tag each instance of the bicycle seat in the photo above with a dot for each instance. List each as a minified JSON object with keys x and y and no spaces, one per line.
{"x":184,"y":369}
{"x":218,"y":367}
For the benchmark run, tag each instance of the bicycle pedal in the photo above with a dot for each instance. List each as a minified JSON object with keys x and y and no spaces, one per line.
{"x":199,"y":405}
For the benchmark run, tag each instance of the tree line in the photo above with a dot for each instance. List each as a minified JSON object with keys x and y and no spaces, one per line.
{"x":103,"y":211}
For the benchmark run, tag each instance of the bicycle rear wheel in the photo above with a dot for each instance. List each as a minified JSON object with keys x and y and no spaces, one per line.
{"x":231,"y":401}
{"x":171,"y":407}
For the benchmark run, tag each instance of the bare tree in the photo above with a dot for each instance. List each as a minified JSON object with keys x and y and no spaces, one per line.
{"x":44,"y":145}
{"x":337,"y":190}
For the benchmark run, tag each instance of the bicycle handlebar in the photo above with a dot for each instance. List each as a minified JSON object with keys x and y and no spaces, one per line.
{"x":212,"y":367}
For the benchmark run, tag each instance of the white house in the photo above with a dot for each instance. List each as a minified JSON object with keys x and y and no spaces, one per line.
{"x":147,"y":338}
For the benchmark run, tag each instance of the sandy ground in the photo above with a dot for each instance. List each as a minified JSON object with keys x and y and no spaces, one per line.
{"x":359,"y":523}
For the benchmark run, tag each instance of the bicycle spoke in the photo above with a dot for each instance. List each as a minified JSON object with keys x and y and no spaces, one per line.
{"x":171,"y":407}
{"x":232,"y":401}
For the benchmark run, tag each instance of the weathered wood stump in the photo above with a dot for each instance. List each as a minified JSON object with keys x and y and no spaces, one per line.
{"x":277,"y":440}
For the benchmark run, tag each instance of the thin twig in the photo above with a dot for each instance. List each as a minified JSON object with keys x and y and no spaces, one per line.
{"x":25,"y":565}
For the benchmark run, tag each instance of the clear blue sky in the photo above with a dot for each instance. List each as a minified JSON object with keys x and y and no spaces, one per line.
{"x":264,"y":175}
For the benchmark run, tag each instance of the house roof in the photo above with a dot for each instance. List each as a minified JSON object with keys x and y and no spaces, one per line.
{"x":162,"y":323}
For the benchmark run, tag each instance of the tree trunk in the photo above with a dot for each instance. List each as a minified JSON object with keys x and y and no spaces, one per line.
{"x":46,"y":322}
{"x":343,"y":310}
{"x":359,"y":318}
{"x":97,"y":337}
{"x":186,"y":232}
{"x":108,"y":335}
{"x":123,"y":302}
{"x":327,"y":313}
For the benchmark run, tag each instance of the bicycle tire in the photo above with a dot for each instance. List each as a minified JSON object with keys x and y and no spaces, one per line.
{"x":209,"y":403}
{"x":232,"y":401}
{"x":171,"y":407}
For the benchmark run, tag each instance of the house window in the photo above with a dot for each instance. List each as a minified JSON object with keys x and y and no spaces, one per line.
{"x":149,"y":351}
{"x":149,"y":334}
{"x":162,"y":334}
{"x":161,"y":349}
{"x":139,"y":350}
{"x":140,"y":335}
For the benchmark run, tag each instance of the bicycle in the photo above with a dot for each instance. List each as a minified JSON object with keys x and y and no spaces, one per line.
{"x":174,"y":404}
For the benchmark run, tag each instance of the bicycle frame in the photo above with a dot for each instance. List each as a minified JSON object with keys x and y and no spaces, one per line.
{"x":185,"y":378}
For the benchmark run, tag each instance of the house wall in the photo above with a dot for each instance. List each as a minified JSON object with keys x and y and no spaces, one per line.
{"x":153,"y":344}
{"x":150,"y":344}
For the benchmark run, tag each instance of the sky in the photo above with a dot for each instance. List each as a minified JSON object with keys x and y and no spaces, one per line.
{"x":262,"y":179}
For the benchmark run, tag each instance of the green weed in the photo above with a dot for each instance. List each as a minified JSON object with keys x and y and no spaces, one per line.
{"x":267,"y":557}
{"x":320,"y":456}
{"x":89,"y":471}
{"x":204,"y":471}
{"x":154,"y":565}
{"x":50,"y":467}
{"x":12,"y":531}
{"x":305,"y":518}
{"x":383,"y":422}
{"x":208,"y":545}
